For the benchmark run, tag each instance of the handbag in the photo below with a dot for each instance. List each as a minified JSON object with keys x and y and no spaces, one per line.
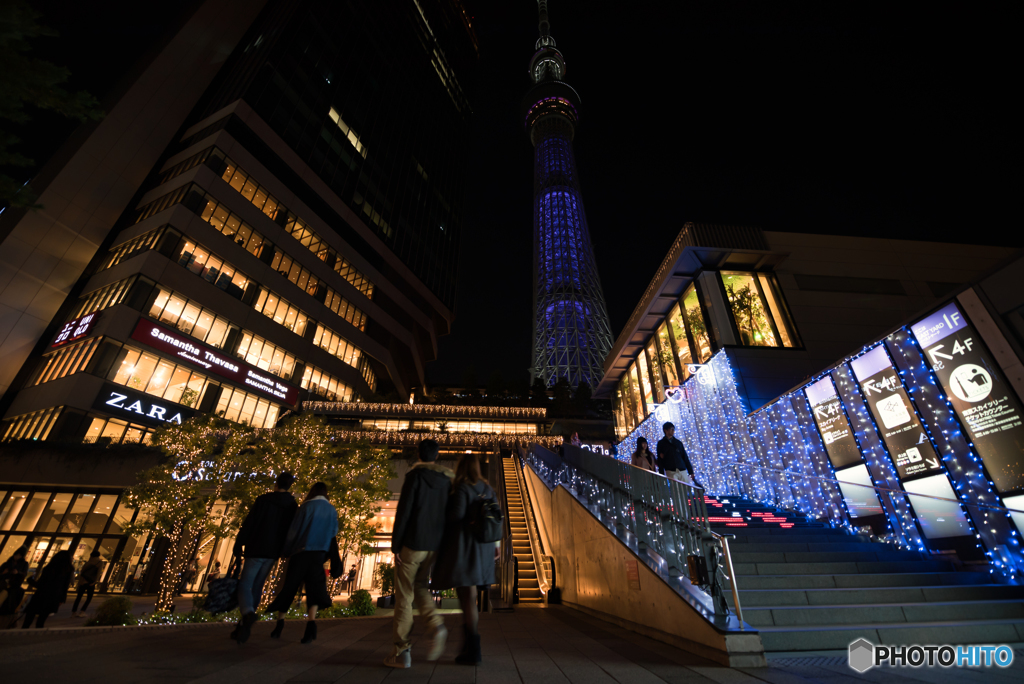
{"x":223,"y":592}
{"x":337,"y":567}
{"x":486,"y":523}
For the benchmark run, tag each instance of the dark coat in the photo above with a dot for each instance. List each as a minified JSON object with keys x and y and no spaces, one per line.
{"x":462,"y":561}
{"x":672,"y":455}
{"x":420,"y":516}
{"x":51,"y":590}
{"x":264,"y":529}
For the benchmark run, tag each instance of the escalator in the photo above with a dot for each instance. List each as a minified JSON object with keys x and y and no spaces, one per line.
{"x":525,"y":582}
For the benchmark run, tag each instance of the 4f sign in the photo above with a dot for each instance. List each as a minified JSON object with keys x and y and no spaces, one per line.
{"x":154,"y":412}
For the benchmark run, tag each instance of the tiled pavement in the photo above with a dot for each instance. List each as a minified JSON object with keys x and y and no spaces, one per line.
{"x":530,"y":645}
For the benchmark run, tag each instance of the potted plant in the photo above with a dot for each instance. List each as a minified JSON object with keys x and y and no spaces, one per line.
{"x":385,"y":578}
{"x":448,"y":599}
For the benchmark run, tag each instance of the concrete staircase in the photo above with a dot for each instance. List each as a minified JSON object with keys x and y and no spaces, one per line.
{"x":528,"y":586}
{"x":807,"y":587}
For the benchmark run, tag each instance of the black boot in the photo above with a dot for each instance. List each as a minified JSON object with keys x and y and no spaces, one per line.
{"x":310,"y":634}
{"x":245,"y":627}
{"x":470,"y":649}
{"x":276,"y":634}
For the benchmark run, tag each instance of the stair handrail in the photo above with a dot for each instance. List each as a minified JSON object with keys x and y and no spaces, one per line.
{"x":507,"y":559}
{"x":660,"y":518}
{"x":540,"y":560}
{"x":889,"y":490}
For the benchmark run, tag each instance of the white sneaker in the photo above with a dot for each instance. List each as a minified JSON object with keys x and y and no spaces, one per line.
{"x":402,"y":661}
{"x":437,"y":637}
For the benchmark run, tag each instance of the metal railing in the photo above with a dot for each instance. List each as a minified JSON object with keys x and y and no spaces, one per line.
{"x":664,"y":521}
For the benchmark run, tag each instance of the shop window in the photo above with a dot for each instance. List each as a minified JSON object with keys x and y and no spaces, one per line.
{"x":75,"y":518}
{"x":759,"y":323}
{"x":14,"y":542}
{"x":645,"y":380}
{"x":241,"y":407}
{"x":657,"y":381}
{"x":665,"y":356}
{"x":54,"y":512}
{"x":148,"y":373}
{"x":32,"y":511}
{"x":190,"y":318}
{"x":266,"y":356}
{"x":117,"y":432}
{"x":121,"y":518}
{"x":634,"y":389}
{"x":628,"y":412}
{"x":12,"y":507}
{"x":696,"y":325}
{"x":315,"y":380}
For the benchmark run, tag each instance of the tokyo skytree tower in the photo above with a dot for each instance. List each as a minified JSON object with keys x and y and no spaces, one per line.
{"x":570,"y":328}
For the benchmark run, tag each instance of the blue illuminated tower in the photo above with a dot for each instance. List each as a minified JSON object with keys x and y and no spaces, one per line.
{"x":570,"y":327}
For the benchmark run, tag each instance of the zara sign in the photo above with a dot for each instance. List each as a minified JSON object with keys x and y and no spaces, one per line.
{"x":139,"y":407}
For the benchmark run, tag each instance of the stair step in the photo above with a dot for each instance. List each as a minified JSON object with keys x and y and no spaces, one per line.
{"x":830,"y":616}
{"x":839,"y":638}
{"x":871,"y":595}
{"x":866,"y":567}
{"x":856,"y":580}
{"x":812,"y":547}
{"x":879,"y":553}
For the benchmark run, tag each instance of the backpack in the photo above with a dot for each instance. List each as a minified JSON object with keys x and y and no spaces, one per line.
{"x":486,"y":520}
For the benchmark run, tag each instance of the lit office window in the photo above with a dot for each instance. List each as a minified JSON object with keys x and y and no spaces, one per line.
{"x":35,"y":425}
{"x":212,"y":269}
{"x":336,"y":345}
{"x":266,"y":356}
{"x":315,"y":244}
{"x":326,"y":385}
{"x":133,"y":247}
{"x":346,"y":309}
{"x":190,"y":318}
{"x":290,"y":269}
{"x":283,"y":313}
{"x":218,"y":216}
{"x":66,"y":361}
{"x":755,"y":320}
{"x":103,"y":298}
{"x":242,"y":407}
{"x":159,"y":377}
{"x":251,"y":190}
{"x":351,"y":135}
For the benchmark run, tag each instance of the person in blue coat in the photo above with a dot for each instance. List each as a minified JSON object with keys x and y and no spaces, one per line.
{"x":306,"y":546}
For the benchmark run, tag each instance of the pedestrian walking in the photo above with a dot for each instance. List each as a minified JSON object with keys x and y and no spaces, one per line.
{"x":51,"y":589}
{"x":88,"y":576}
{"x":419,"y":527}
{"x":350,"y":579}
{"x":260,"y":542}
{"x":642,"y":457}
{"x":672,"y":457}
{"x":306,"y":546}
{"x":12,"y":575}
{"x":463,"y":563}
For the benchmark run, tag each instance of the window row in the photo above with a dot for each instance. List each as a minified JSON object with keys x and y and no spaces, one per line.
{"x":243,"y":407}
{"x":127,"y":250}
{"x":159,"y":377}
{"x":114,"y":431}
{"x":229,"y":224}
{"x":266,"y":356}
{"x":482,"y":426}
{"x":35,"y":425}
{"x":326,"y":385}
{"x":346,"y":309}
{"x":294,"y":272}
{"x":241,"y":181}
{"x":190,"y":318}
{"x":163,"y":202}
{"x":63,"y":512}
{"x":336,"y":345}
{"x":283,"y":313}
{"x":103,"y":298}
{"x":195,"y":160}
{"x":212,"y":268}
{"x":66,"y":361}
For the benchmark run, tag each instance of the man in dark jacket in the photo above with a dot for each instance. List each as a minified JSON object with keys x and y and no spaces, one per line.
{"x":260,"y":542}
{"x":419,"y":525}
{"x":672,"y":457}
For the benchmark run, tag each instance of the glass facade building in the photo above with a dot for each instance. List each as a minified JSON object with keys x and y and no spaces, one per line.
{"x":297,"y":239}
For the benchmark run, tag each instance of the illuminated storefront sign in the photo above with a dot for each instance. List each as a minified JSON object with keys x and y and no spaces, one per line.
{"x":139,"y":407}
{"x":986,"y":405}
{"x":901,"y":431}
{"x":76,"y":329}
{"x":215,"y":361}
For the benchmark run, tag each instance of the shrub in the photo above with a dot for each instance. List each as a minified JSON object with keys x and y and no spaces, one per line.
{"x":386,"y":576}
{"x":114,"y":611}
{"x":361,"y":603}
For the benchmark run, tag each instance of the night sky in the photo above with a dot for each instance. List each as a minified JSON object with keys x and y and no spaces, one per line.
{"x":836,"y":118}
{"x":839,"y":118}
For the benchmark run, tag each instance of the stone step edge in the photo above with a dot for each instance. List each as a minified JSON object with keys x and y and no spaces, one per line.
{"x":969,"y":602}
{"x":892,"y":625}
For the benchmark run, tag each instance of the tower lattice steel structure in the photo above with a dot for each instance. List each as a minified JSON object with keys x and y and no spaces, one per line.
{"x":571,"y":333}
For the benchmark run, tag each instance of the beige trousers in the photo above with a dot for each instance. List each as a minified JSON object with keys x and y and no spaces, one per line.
{"x":412,"y":583}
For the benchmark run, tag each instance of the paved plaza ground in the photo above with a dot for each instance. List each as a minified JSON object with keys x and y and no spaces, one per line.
{"x":539,"y":645}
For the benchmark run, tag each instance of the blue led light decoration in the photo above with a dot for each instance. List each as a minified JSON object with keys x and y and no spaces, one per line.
{"x":571,"y":332}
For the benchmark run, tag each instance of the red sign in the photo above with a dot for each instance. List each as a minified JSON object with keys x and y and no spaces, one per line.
{"x":76,"y":329}
{"x":215,"y":361}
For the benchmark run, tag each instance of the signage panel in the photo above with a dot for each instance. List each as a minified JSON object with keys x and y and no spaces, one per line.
{"x":859,"y":492}
{"x":941,"y":516}
{"x":901,"y":431}
{"x":985,"y":403}
{"x":215,"y":361}
{"x":140,"y":408}
{"x":830,"y":418}
{"x":75,"y":330}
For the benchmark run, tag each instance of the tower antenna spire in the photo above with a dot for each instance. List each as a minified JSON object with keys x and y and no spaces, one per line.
{"x":543,"y":26}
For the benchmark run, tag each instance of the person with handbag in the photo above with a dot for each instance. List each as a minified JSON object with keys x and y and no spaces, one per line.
{"x":419,"y":525}
{"x":260,"y":542}
{"x":310,"y":536}
{"x":466,"y":562}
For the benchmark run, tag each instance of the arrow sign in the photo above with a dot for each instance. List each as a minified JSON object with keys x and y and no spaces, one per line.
{"x":820,"y":412}
{"x":936,"y":354}
{"x":933,"y":463}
